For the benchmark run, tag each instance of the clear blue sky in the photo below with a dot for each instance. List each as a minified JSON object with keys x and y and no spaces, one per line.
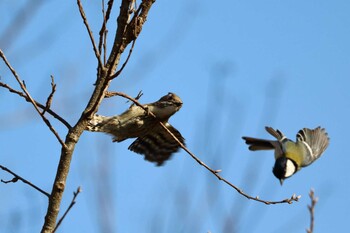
{"x":237,"y":65}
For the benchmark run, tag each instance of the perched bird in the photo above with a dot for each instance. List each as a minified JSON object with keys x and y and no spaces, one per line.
{"x":292,"y":156}
{"x":153,"y":141}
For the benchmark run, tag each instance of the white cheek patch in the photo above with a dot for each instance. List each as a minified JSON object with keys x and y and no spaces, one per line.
{"x":290,"y":168}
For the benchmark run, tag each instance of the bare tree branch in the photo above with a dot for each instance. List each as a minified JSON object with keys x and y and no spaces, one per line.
{"x":119,"y":39}
{"x":103,"y":31}
{"x":17,"y":177}
{"x":23,"y":87}
{"x":75,"y":194}
{"x":83,"y":16}
{"x":126,"y":62}
{"x":311,"y":209}
{"x":49,"y":99}
{"x":214,"y":172}
{"x":127,"y":31}
{"x":52,"y":113}
{"x":98,"y":94}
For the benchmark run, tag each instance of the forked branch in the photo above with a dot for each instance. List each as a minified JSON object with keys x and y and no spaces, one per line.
{"x":43,"y":107}
{"x":31,"y":100}
{"x":17,"y":178}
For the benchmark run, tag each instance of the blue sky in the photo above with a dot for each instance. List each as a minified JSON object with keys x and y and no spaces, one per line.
{"x":238,"y":66}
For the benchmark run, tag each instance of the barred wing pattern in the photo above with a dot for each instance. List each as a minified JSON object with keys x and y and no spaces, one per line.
{"x":316,"y":141}
{"x":158,"y":145}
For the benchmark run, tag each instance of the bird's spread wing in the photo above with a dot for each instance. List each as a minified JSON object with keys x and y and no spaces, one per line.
{"x":315,"y":140}
{"x":158,"y":145}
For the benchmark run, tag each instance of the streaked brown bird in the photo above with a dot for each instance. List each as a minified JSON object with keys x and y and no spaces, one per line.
{"x":291,"y":156}
{"x":152,"y":140}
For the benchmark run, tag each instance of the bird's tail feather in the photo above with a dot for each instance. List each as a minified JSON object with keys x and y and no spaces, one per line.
{"x":259,"y":144}
{"x":276,"y":133}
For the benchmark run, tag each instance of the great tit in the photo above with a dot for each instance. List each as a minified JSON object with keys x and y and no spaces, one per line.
{"x":292,"y":156}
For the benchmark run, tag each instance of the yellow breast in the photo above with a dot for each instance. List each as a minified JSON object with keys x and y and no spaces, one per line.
{"x":294,"y":152}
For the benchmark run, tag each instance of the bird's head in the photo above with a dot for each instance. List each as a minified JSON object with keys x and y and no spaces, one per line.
{"x":166,"y":106}
{"x":284,"y":168}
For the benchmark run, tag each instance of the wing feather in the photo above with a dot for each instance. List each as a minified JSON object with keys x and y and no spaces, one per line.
{"x":316,"y":142}
{"x":158,"y":145}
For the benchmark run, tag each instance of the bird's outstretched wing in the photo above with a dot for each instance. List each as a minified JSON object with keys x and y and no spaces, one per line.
{"x":315,"y":140}
{"x":158,"y":145}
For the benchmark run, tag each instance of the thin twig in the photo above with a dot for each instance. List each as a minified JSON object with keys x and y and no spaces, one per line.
{"x":103,"y":30}
{"x":311,"y":209}
{"x":97,"y":54}
{"x":105,"y":47}
{"x":49,"y":98}
{"x":75,"y":194}
{"x":126,"y":61}
{"x":290,"y":200}
{"x":17,"y":177}
{"x":52,"y":113}
{"x":31,"y":100}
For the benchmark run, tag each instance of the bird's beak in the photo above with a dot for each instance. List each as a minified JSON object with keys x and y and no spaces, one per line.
{"x":281,"y":181}
{"x":179,"y":104}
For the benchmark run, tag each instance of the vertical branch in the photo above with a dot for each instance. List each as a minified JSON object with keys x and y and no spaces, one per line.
{"x":97,"y":54}
{"x":98,"y":94}
{"x":50,"y":97}
{"x":119,"y":39}
{"x":103,"y":31}
{"x":311,"y":209}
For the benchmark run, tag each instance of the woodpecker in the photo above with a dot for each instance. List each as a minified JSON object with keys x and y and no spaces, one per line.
{"x":152,"y":140}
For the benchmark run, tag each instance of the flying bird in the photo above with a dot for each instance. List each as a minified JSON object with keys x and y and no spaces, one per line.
{"x":152,"y":140}
{"x":291,"y":156}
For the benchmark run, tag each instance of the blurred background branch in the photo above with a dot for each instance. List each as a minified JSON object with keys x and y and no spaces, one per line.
{"x":311,"y":209}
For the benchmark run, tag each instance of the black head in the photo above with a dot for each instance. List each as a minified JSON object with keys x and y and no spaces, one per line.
{"x":284,"y":168}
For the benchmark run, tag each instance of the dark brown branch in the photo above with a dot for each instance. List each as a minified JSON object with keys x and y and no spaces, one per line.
{"x":105,"y":47}
{"x":214,"y":172}
{"x":127,"y":31}
{"x":52,"y":113}
{"x":49,"y":99}
{"x":119,"y":39}
{"x":311,"y":209}
{"x":134,"y":27}
{"x":97,"y":53}
{"x":103,"y":30}
{"x":75,"y":194}
{"x":31,"y":100}
{"x":17,"y":177}
{"x":126,"y":62}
